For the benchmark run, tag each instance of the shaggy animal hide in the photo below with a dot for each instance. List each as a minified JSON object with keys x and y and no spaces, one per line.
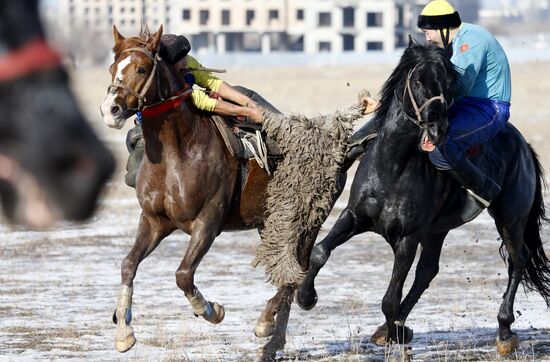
{"x":302,"y":192}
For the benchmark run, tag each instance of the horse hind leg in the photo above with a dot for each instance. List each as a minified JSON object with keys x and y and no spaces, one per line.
{"x":266,"y":322}
{"x":151,"y":231}
{"x":280,"y":304}
{"x":518,"y":257}
{"x":201,"y":240}
{"x":344,"y":228}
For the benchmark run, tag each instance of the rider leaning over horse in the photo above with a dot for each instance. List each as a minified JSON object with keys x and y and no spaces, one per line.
{"x":481,"y":105}
{"x":241,"y":102}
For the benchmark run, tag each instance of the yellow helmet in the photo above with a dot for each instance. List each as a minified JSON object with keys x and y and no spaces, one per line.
{"x":439,"y":14}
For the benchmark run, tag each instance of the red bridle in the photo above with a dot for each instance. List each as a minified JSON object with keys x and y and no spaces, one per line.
{"x":34,"y":56}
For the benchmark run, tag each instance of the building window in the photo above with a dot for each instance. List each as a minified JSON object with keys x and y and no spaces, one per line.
{"x":375,"y":45}
{"x":324,"y":19}
{"x":250,"y":14}
{"x":204,"y":15}
{"x":226,"y":17}
{"x":300,"y":14}
{"x":348,"y":17}
{"x":186,"y":14}
{"x":324,"y":46}
{"x":348,"y":42}
{"x":374,"y":20}
{"x":273,"y":15}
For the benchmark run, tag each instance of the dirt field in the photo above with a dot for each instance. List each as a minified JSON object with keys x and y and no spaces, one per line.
{"x":58,"y":289}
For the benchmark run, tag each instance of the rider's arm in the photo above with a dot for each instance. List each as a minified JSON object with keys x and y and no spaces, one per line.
{"x":210,"y":81}
{"x":202,"y":101}
{"x":228,"y":92}
{"x":203,"y":78}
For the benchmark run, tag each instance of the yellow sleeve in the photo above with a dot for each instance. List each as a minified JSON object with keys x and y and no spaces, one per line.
{"x":202,"y":101}
{"x":205,"y":79}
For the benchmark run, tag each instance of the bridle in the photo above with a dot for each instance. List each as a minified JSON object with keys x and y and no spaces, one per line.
{"x":141,"y":95}
{"x":419,"y":121}
{"x":34,"y":56}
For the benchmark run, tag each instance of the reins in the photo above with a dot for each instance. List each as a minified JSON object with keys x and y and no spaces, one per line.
{"x":34,"y":56}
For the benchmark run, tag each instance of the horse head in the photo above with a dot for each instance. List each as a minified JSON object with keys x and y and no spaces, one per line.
{"x":427,"y":92}
{"x":422,"y":82}
{"x":135,"y":77}
{"x":52,"y":165}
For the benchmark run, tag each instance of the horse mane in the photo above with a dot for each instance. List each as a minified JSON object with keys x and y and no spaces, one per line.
{"x":413,"y":55}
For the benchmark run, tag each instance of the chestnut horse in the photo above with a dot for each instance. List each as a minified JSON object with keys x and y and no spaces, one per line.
{"x":187,"y":180}
{"x":52,"y":165}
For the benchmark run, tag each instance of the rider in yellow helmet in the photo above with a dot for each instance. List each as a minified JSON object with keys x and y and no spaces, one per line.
{"x":481,"y":105}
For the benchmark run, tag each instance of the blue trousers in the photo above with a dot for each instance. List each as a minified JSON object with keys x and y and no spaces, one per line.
{"x":471,"y":121}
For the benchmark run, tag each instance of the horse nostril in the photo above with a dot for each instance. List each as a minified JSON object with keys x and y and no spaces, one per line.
{"x":116,"y":110}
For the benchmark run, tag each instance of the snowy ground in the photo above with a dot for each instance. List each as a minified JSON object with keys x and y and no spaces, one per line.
{"x":58,"y":288}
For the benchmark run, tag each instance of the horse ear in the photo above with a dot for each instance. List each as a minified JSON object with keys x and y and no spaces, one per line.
{"x":116,"y":35}
{"x":154,"y":42}
{"x":412,"y":41}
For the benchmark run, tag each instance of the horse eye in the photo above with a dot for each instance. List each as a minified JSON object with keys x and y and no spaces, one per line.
{"x":141,"y":70}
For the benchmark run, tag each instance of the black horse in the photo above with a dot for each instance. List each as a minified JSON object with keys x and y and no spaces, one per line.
{"x":398,"y":194}
{"x":52,"y":165}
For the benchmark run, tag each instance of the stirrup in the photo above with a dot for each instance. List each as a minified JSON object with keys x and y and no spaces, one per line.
{"x":480,"y":199}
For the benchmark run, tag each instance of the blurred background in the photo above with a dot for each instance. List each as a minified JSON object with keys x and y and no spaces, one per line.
{"x":337,"y":31}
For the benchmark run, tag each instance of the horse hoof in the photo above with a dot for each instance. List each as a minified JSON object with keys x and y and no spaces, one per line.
{"x":508,"y":346}
{"x":408,"y":335}
{"x":264,"y":329}
{"x":124,"y":345}
{"x":218,"y":313}
{"x":379,"y":337}
{"x":304,"y":303}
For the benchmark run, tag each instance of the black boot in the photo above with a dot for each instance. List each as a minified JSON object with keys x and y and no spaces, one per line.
{"x":358,"y":141}
{"x":480,"y":188}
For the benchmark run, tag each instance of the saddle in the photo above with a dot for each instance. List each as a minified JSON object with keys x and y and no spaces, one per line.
{"x":246,"y":141}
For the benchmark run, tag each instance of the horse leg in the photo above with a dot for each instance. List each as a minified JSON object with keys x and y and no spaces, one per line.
{"x":151,"y":230}
{"x":518,"y":256}
{"x":404,"y":252}
{"x":266,"y":322}
{"x":344,"y":228}
{"x":201,"y":239}
{"x":426,"y":269}
{"x":280,"y":304}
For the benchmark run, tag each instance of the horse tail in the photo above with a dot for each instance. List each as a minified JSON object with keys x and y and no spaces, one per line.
{"x":537,"y":276}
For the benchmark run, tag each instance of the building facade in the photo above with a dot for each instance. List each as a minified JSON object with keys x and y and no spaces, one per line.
{"x":307,"y":26}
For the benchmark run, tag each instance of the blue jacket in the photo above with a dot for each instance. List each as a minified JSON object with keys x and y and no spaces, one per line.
{"x":483,"y":68}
